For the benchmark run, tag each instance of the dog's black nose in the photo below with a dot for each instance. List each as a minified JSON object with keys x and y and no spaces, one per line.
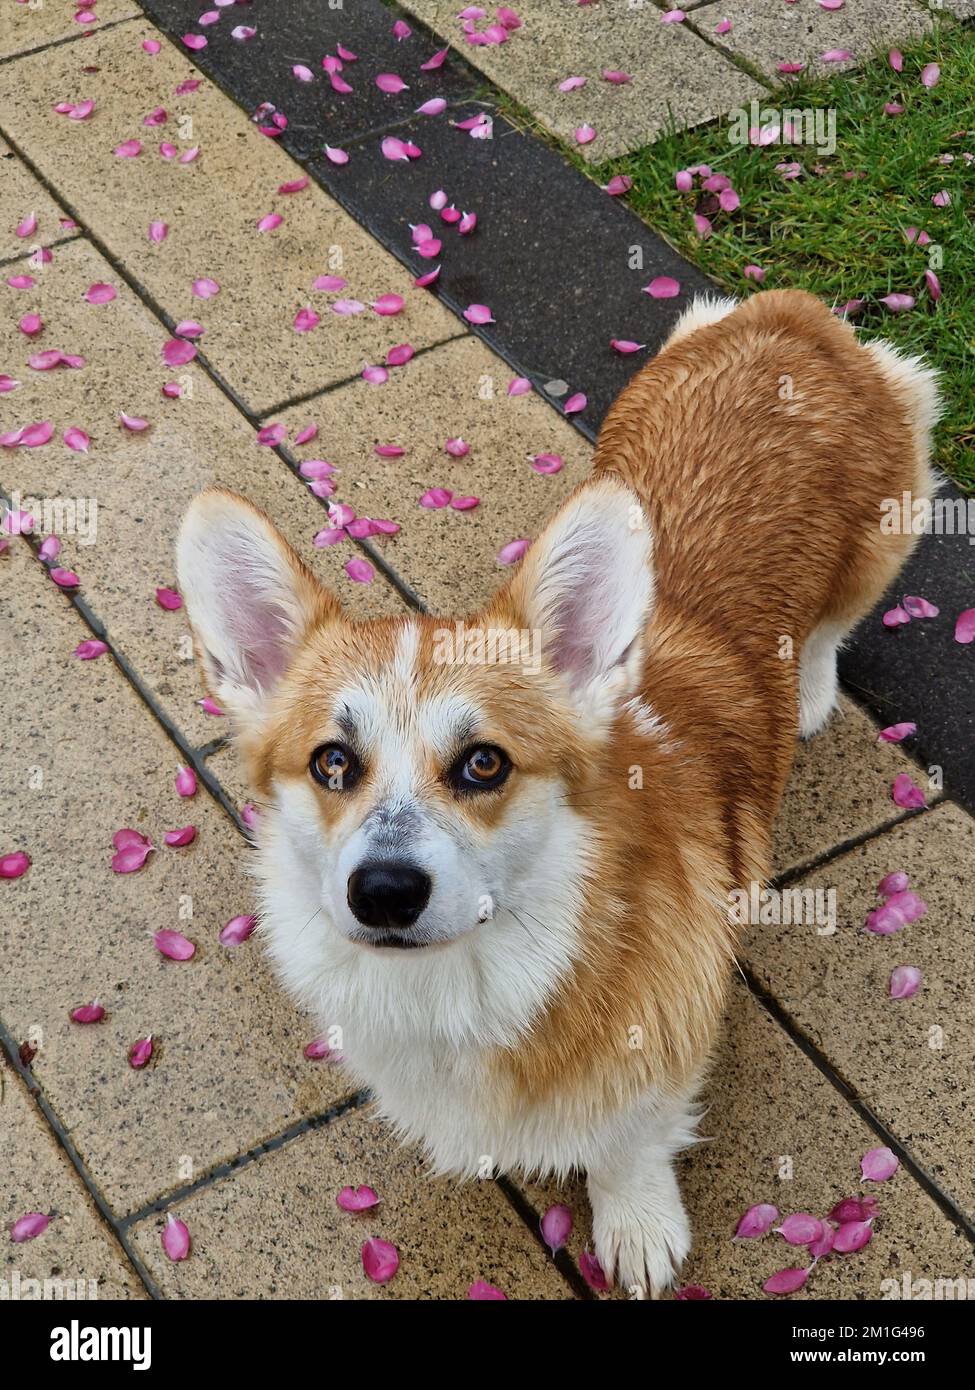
{"x":388,"y":895}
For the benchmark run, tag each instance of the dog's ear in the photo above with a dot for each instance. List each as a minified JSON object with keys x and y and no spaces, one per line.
{"x":586,"y":585}
{"x":249,"y":598}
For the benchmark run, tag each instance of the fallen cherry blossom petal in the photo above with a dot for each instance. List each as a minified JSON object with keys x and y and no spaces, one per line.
{"x":823,"y":1244}
{"x":30,"y":325}
{"x":250,"y":815}
{"x":556,"y":1227}
{"x":356,"y":1198}
{"x":177,"y":352}
{"x":592,"y":1271}
{"x":880,"y":1164}
{"x":584,"y":134}
{"x":673,"y":17}
{"x":7,"y":383}
{"x":663,"y":287}
{"x":388,"y":304}
{"x":306,"y":319}
{"x":319,"y":1051}
{"x":76,"y":439}
{"x":336,"y":156}
{"x":786,"y":1281}
{"x":390,"y":83}
{"x":185,"y":782}
{"x":852,"y":1236}
{"x":906,"y":793}
{"x":375,"y":375}
{"x":359,"y":571}
{"x":90,"y":648}
{"x":723,"y":26}
{"x":380,"y":1260}
{"x":618,"y":184}
{"x":423,"y":281}
{"x":457,"y":448}
{"x":905,"y":981}
{"x":896,"y":882}
{"x":965,"y":627}
{"x":898,"y":303}
{"x":757,"y":1221}
{"x":942,"y":199}
{"x":546,"y":463}
{"x":465,"y":504}
{"x":65,"y":579}
{"x":88,"y":1013}
{"x":519,"y":386}
{"x":800,"y":1229}
{"x":467,"y":223}
{"x":437,"y":61}
{"x":389,"y":451}
{"x":49,"y":549}
{"x":140,"y":1054}
{"x":237,"y":930}
{"x":919,"y":607}
{"x":205,"y":288}
{"x":576,"y":402}
{"x":176,"y":839}
{"x":175,"y":1239}
{"x":131,"y":856}
{"x":169,"y":599}
{"x":14,"y":865}
{"x":29,"y":1227}
{"x":129,"y":149}
{"x":158,"y":231}
{"x":481,"y":1292}
{"x":835,"y":55}
{"x":399,"y":355}
{"x":853,"y":1209}
{"x":895,"y":617}
{"x":268,"y":223}
{"x":896,"y":733}
{"x":896,"y":59}
{"x":512,"y":551}
{"x":436,"y":497}
{"x":173,"y":945}
{"x":930,"y":75}
{"x":189,"y":328}
{"x":933,"y":285}
{"x":436,"y":106}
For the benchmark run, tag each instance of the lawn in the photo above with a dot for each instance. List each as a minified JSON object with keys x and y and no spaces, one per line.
{"x":839,"y":229}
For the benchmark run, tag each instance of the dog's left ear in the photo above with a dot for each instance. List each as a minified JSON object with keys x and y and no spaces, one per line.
{"x":586,"y":585}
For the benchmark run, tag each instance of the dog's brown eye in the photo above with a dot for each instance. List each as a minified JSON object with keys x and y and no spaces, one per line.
{"x":335,"y":766}
{"x":481,"y":768}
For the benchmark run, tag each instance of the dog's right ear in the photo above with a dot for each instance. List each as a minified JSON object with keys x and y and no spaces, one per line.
{"x":249,"y":598}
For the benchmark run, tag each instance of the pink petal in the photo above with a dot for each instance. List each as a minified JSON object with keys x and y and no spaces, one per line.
{"x":852,"y":1236}
{"x":437,"y":61}
{"x":100,"y":293}
{"x":663,"y":287}
{"x":306,"y":319}
{"x":831,"y":4}
{"x":512,"y":551}
{"x":302,"y":73}
{"x":197,"y":41}
{"x":920,"y":607}
{"x":174,"y":945}
{"x":592,"y":1271}
{"x":757,"y":1221}
{"x":329,"y":282}
{"x":467,"y":223}
{"x":177,"y":352}
{"x":7,"y":383}
{"x":556,"y":1227}
{"x":375,"y":375}
{"x":140,"y":1054}
{"x":205,"y":288}
{"x":423,"y":281}
{"x":824,"y":1243}
{"x":293,"y":186}
{"x":786,"y":1281}
{"x":898,"y":303}
{"x":801,"y":1229}
{"x":615,"y":77}
{"x":316,"y":468}
{"x":934,"y":286}
{"x":389,"y":451}
{"x":930,"y":75}
{"x":29,"y":1227}
{"x":389,"y":82}
{"x":186,"y":782}
{"x":723,"y":26}
{"x":131,"y":856}
{"x":835,"y":55}
{"x":348,"y":306}
{"x":896,"y":617}
{"x":176,"y":839}
{"x":30,"y":325}
{"x":436,"y":106}
{"x":65,"y":579}
{"x":457,"y":448}
{"x":896,"y":882}
{"x":885,"y":921}
{"x":546,"y":463}
{"x":49,"y":550}
{"x":237,"y":930}
{"x":896,"y":60}
{"x":189,"y":328}
{"x":268,"y":223}
{"x":908,"y":904}
{"x":359,"y":571}
{"x":250,"y":815}
{"x":702,"y":225}
{"x":175,"y":1239}
{"x":584,"y":134}
{"x":896,"y":733}
{"x":151,"y":46}
{"x":129,"y":149}
{"x":853,"y":1209}
{"x":335,"y":155}
{"x":401,"y":30}
{"x":575,"y":403}
{"x":380,"y":1260}
{"x":436,"y":497}
{"x":906,"y":793}
{"x":942,"y":199}
{"x":88,"y":1013}
{"x":20,"y":282}
{"x":90,"y":649}
{"x":157,"y":117}
{"x":480,"y":1292}
{"x":878,"y":1165}
{"x":14,"y":865}
{"x":388,"y":304}
{"x":618,"y":184}
{"x":965,"y":627}
{"x":271,"y":434}
{"x":188,"y":156}
{"x":399,"y":355}
{"x":428,"y":250}
{"x":673,"y":17}
{"x":905,"y":981}
{"x":356,"y":1198}
{"x":318,"y":1051}
{"x":27,"y":227}
{"x":158,"y":231}
{"x":76,"y":439}
{"x":465,"y":504}
{"x":242,"y":33}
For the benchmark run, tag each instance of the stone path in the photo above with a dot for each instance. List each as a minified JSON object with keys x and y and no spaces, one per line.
{"x":230,"y":1126}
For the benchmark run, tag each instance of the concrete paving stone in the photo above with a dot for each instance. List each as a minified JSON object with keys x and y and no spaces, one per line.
{"x":961,"y":9}
{"x":304,"y":31}
{"x":775,"y":1130}
{"x":212,"y":207}
{"x":273,"y":1230}
{"x":839,"y":789}
{"x":919,"y":672}
{"x":674,"y":74}
{"x":141,"y":482}
{"x":457,"y":391}
{"x":23,"y":195}
{"x":83,"y":758}
{"x":767,"y":32}
{"x":908,"y":1059}
{"x":26,"y":27}
{"x":226,"y":767}
{"x":77,"y":1250}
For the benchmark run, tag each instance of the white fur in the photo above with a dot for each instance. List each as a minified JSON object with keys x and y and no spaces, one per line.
{"x":818,"y":680}
{"x":704,"y":309}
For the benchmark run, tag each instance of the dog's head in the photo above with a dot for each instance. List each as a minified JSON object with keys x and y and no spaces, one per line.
{"x":418,"y":772}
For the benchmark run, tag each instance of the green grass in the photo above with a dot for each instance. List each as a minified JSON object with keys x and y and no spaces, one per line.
{"x":844,"y":238}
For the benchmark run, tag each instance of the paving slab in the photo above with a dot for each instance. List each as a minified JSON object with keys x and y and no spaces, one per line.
{"x":458,"y":391}
{"x":919,"y":672}
{"x":273,"y":1230}
{"x":839,"y":789}
{"x":26,"y":27}
{"x":908,"y":1059}
{"x":303,"y":32}
{"x":23,"y":196}
{"x":675,"y":75}
{"x":77,"y":1252}
{"x":768,"y":32}
{"x":141,"y":483}
{"x":84,"y":758}
{"x":211,"y":207}
{"x":777,"y":1131}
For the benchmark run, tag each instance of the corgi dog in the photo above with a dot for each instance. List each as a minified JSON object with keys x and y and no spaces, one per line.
{"x":497,"y":853}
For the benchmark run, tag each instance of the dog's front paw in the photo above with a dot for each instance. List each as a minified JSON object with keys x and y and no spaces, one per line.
{"x":641,"y":1245}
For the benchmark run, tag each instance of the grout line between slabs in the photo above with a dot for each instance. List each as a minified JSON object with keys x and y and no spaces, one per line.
{"x":67,"y":1146}
{"x":48,"y":246}
{"x":843,"y":847}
